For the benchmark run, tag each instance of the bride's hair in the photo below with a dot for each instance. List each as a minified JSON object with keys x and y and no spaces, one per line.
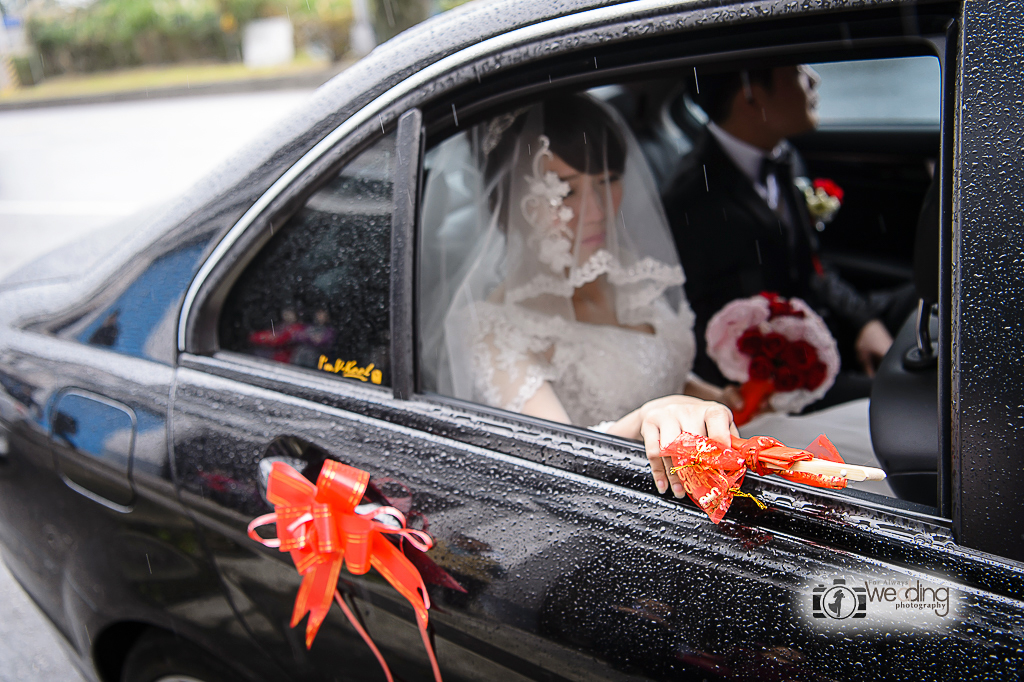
{"x":583,"y":136}
{"x":580,"y":133}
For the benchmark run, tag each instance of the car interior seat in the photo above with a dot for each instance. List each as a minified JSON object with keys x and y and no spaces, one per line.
{"x":664,"y":120}
{"x":904,"y":408}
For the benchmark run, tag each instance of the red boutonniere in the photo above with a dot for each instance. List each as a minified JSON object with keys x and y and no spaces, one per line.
{"x":824,"y":197}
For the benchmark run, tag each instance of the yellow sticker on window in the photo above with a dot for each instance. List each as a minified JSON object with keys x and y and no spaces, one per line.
{"x":351,"y":370}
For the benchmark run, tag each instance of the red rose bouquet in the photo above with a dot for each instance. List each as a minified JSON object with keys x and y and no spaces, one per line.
{"x":776,"y":349}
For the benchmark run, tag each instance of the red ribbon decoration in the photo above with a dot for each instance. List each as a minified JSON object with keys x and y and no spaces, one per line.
{"x":711,"y":473}
{"x":319,"y":526}
{"x":753,"y":392}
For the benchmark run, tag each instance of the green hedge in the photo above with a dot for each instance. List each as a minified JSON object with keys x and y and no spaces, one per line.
{"x":112,"y":34}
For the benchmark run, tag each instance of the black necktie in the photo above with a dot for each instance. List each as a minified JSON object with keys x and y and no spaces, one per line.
{"x":791,"y":217}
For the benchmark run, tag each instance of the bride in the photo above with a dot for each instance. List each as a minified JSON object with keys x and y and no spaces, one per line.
{"x":567,"y":301}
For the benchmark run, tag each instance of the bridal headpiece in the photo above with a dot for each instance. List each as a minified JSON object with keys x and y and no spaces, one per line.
{"x":544,"y":209}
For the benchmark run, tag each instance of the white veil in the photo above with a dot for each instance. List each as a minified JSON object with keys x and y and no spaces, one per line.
{"x":503,"y":249}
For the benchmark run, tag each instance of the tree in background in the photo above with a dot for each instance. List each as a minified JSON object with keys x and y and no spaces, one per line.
{"x":391,"y":17}
{"x":71,"y":37}
{"x":111,"y":34}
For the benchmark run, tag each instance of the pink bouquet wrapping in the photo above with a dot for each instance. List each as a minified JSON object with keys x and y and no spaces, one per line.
{"x":776,"y":349}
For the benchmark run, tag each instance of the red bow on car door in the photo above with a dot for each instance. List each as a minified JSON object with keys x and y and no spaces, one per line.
{"x":319,"y":526}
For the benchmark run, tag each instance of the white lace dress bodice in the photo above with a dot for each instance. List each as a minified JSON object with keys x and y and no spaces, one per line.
{"x":599,"y":372}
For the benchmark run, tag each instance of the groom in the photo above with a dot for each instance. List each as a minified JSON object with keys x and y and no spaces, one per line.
{"x":740,"y":223}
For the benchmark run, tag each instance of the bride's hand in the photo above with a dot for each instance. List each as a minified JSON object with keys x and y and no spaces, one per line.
{"x":662,"y":421}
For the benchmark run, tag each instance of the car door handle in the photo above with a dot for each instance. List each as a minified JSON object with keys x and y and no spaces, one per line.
{"x":93,"y":440}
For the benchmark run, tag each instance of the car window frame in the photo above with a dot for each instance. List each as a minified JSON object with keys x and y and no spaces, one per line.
{"x":469,"y":113}
{"x":403,"y":252}
{"x":948,"y":475}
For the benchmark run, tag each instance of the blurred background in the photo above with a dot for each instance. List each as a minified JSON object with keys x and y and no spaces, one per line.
{"x":47,"y":41}
{"x":107,"y":106}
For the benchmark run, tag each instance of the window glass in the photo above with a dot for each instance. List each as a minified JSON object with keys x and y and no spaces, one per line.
{"x":879,"y":92}
{"x":555,"y":237}
{"x":317,"y":295}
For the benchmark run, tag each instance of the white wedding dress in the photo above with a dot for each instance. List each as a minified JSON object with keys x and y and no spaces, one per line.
{"x":502,"y":261}
{"x":599,"y":372}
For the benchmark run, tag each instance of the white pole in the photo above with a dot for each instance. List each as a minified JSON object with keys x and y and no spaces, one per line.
{"x":361,"y":36}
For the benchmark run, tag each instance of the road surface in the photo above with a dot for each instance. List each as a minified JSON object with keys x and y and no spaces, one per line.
{"x":66,"y":171}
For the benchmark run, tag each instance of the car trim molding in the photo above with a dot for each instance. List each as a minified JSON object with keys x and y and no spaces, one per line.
{"x":588,"y":18}
{"x":403,"y":256}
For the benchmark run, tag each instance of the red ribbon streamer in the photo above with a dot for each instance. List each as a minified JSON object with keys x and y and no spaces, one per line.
{"x":319,"y":526}
{"x":754,"y":392}
{"x":712,"y":473}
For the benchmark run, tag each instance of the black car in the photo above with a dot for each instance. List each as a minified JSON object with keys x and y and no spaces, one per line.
{"x":152,"y":374}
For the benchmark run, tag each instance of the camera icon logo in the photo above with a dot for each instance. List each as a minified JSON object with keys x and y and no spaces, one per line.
{"x":839,"y":601}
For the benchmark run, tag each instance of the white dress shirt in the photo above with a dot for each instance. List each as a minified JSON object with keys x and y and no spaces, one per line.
{"x":748,"y":159}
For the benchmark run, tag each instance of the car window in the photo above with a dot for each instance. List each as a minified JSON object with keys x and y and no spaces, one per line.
{"x":317,"y":294}
{"x":902,"y":91}
{"x":534,"y":204}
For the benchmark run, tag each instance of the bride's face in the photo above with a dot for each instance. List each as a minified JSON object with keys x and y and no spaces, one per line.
{"x":593,"y":200}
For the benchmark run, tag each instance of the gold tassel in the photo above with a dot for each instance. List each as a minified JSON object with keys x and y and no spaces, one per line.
{"x":739,"y":493}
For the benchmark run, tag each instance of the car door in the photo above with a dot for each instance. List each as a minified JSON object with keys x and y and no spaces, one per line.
{"x":274,"y":399}
{"x":312,"y":293}
{"x":93,"y":527}
{"x":554,"y":558}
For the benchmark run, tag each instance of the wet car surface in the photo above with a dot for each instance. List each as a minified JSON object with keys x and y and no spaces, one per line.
{"x":142,"y":399}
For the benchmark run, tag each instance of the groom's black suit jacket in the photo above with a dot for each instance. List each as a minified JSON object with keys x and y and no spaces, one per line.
{"x":732,"y":245}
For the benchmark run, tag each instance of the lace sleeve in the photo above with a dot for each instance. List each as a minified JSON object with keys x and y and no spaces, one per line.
{"x":511,"y":356}
{"x":506,"y":374}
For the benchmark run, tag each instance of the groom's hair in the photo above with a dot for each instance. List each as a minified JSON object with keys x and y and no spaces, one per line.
{"x":716,"y":91}
{"x":584,"y":135}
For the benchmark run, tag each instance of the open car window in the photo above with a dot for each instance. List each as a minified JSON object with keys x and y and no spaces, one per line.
{"x":884,"y":93}
{"x":863,"y":183}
